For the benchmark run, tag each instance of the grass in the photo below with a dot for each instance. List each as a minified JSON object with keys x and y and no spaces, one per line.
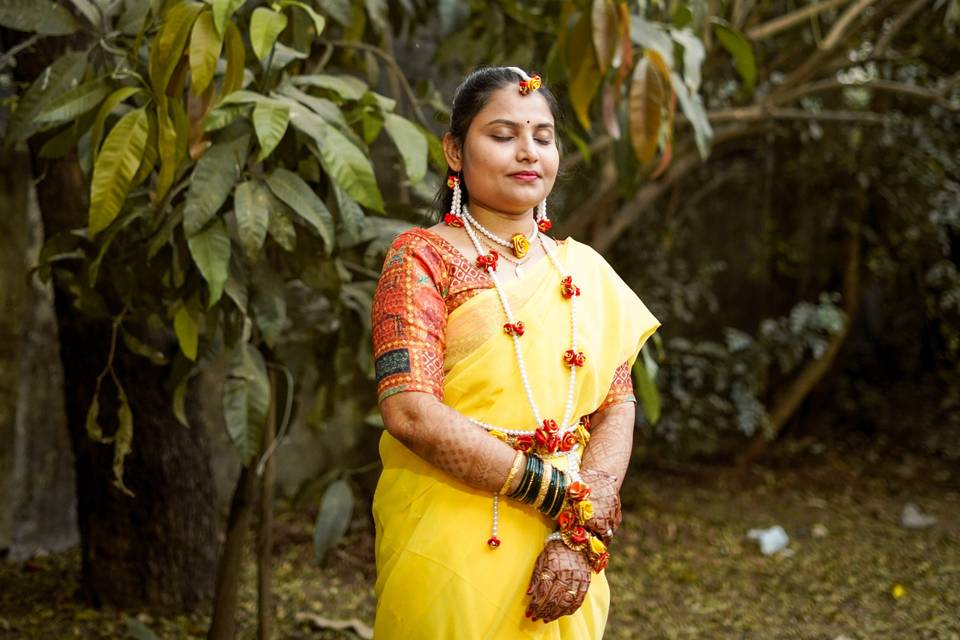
{"x":681,"y":566}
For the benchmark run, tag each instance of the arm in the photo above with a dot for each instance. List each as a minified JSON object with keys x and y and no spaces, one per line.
{"x":611,"y":440}
{"x":446,"y":439}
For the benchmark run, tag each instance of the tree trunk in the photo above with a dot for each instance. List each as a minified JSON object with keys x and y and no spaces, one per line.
{"x":156,"y":550}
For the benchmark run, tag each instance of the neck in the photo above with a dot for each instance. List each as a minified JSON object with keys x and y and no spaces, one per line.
{"x":502,"y":223}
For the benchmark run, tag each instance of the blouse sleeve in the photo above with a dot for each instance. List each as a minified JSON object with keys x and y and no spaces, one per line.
{"x":621,"y":390}
{"x":409,"y":319}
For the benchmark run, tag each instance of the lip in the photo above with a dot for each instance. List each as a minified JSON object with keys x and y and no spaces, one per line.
{"x":525,"y":176}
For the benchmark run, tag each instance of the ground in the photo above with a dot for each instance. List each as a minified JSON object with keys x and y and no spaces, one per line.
{"x":681,"y":567}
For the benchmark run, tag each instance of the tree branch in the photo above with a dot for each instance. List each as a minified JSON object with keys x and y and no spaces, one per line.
{"x":837,"y":31}
{"x":775,"y":26}
{"x":899,"y":22}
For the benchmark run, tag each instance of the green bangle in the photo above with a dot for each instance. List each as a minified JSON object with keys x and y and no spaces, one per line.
{"x":531,"y":493}
{"x":551,"y":491}
{"x":560,"y":497}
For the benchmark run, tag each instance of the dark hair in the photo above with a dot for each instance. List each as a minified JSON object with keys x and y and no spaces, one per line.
{"x":468,"y":100}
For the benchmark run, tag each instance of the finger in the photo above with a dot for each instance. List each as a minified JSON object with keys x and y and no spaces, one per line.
{"x":540,"y":597}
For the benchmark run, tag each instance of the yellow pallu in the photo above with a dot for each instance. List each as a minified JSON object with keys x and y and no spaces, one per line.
{"x":436,"y":576}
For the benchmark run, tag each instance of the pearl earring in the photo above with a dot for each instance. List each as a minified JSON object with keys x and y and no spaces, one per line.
{"x":544,"y":223}
{"x":453,"y":217}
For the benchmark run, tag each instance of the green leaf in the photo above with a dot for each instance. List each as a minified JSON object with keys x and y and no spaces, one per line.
{"x":585,"y":76}
{"x":105,"y":110}
{"x":270,"y":120}
{"x":122,"y":440}
{"x":246,"y":399}
{"x":116,"y":166}
{"x":210,"y":249}
{"x":235,"y":54}
{"x":139,"y":347}
{"x":281,"y":227}
{"x":74,"y":103}
{"x":265,"y":26}
{"x":740,"y":48}
{"x":171,"y":142}
{"x":646,"y":388}
{"x":39,"y":16}
{"x":339,"y":10}
{"x":297,"y":194}
{"x":351,"y":218}
{"x":222,"y":10}
{"x":341,"y":159}
{"x":347,"y":87}
{"x":180,"y":397}
{"x":318,"y":20}
{"x":65,"y":72}
{"x":268,"y":305}
{"x":212,"y":181}
{"x":410,"y":143}
{"x":222,"y":117}
{"x":336,"y":510}
{"x":251,"y":205}
{"x":693,"y":54}
{"x":186,"y":327}
{"x":168,"y":46}
{"x":149,"y":160}
{"x":205,"y":46}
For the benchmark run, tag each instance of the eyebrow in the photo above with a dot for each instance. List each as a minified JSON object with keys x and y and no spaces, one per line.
{"x":511,"y":123}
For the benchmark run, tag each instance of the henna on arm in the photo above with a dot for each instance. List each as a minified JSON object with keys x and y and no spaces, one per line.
{"x":446,"y":439}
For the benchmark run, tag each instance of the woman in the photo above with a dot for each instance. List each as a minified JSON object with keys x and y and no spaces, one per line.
{"x":503,"y":364}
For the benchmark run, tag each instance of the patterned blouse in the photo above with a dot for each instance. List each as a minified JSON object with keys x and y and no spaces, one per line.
{"x":424,"y":279}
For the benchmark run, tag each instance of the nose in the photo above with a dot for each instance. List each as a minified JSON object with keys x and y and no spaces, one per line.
{"x":526,"y":149}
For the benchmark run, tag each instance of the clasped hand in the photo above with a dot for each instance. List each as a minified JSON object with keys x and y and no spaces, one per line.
{"x":561,"y":576}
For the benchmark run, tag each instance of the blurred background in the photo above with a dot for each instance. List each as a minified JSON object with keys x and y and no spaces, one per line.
{"x":196,"y":200}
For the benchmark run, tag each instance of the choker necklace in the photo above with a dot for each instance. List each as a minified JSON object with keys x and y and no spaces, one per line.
{"x":518,"y":243}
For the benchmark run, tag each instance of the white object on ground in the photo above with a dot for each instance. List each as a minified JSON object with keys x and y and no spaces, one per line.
{"x":771,"y":540}
{"x":913,"y":518}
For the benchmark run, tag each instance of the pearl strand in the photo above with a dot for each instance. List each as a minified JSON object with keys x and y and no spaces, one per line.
{"x":494,"y":237}
{"x":522,"y":432}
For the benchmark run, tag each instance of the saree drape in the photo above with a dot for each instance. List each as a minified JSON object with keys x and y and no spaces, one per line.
{"x":436,"y":576}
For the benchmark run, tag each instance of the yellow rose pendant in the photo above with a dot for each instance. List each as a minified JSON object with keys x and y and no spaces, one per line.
{"x":520,"y":245}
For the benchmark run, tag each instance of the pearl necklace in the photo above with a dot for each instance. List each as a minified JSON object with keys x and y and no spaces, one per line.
{"x":572,"y":460}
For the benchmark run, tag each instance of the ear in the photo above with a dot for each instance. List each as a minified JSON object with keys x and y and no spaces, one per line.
{"x":452,"y":152}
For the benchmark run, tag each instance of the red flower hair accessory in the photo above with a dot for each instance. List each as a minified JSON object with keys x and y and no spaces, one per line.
{"x":526,"y":86}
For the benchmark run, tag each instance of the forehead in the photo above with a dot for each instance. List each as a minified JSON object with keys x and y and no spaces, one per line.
{"x":506,"y":103}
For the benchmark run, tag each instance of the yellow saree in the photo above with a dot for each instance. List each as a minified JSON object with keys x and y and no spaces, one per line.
{"x":436,"y":576}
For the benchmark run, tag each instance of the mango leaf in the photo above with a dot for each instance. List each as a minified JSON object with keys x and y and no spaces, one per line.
{"x":205,"y":46}
{"x":646,"y":388}
{"x":116,"y":166}
{"x":222,"y":10}
{"x":210,"y":249}
{"x":650,"y":35}
{"x":648,"y":96}
{"x":74,"y":103}
{"x":105,"y":110}
{"x":297,"y":194}
{"x":39,"y":16}
{"x":265,"y":26}
{"x":233,"y":76}
{"x":324,"y":108}
{"x":693,"y":54}
{"x":268,"y":305}
{"x":341,"y":159}
{"x":246,"y":399}
{"x":352,"y":220}
{"x":186,"y":327}
{"x":693,"y":108}
{"x":222,"y":117}
{"x":281,"y":227}
{"x":603,"y":19}
{"x":339,"y":10}
{"x":63,"y":74}
{"x":319,"y":22}
{"x":122,"y":439}
{"x":168,"y":45}
{"x":347,"y":87}
{"x":585,"y":76}
{"x":336,"y":510}
{"x":180,"y":397}
{"x":139,"y":347}
{"x":212,"y":181}
{"x":270,"y":120}
{"x":251,"y":205}
{"x":410,"y":143}
{"x":149,"y":159}
{"x":740,"y":48}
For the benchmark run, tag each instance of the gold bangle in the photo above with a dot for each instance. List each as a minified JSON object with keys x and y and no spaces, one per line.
{"x":517,"y":459}
{"x":544,"y":485}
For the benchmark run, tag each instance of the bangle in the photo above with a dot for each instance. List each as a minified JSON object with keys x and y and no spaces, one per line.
{"x":544,"y":486}
{"x":548,"y":498}
{"x":560,"y":497}
{"x":536,"y":478}
{"x":525,"y":478}
{"x":513,"y":471}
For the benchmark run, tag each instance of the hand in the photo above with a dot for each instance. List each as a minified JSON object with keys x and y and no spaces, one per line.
{"x":561,"y":577}
{"x":605,"y":497}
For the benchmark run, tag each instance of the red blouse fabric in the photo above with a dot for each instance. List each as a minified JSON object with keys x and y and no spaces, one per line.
{"x":424,"y":278}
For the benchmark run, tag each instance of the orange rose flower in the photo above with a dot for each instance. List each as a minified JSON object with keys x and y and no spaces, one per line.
{"x":578,"y":491}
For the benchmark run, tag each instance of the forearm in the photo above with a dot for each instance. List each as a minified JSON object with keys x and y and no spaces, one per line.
{"x":448,"y":440}
{"x":611,"y":440}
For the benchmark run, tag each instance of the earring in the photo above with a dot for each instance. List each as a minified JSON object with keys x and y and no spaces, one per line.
{"x":453,"y":218}
{"x":544,"y":223}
